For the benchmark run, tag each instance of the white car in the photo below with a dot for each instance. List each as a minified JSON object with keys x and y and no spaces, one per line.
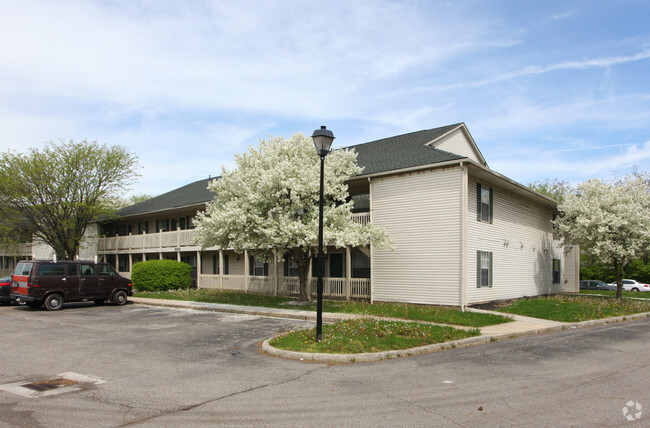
{"x":632,"y":285}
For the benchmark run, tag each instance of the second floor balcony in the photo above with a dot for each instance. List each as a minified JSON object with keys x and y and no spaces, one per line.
{"x":176,"y":240}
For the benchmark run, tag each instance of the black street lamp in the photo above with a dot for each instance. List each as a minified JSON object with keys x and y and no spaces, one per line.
{"x":323,"y":142}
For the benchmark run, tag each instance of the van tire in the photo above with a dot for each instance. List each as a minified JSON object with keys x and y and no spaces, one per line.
{"x":34,"y":305}
{"x":53,"y":302}
{"x":119,"y":298}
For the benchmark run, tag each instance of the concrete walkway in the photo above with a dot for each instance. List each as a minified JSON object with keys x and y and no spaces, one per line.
{"x":521,"y":326}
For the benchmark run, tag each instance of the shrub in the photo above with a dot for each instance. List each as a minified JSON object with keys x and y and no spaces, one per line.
{"x":160,"y":275}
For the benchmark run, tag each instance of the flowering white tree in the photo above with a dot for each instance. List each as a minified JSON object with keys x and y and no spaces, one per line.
{"x":608,"y":220}
{"x":270,"y":202}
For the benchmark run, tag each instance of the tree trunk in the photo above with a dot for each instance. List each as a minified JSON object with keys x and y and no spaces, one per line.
{"x":618,"y":270}
{"x":302,"y":260}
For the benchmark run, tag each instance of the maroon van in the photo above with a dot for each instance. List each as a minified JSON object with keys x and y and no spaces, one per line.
{"x":51,"y":283}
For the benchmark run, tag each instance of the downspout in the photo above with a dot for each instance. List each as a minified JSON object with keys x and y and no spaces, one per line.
{"x":463,"y":231}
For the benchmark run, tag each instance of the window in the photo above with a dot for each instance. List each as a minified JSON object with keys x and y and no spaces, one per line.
{"x":162,"y":225}
{"x":290,"y":268}
{"x":225,"y":264}
{"x":143,"y":227}
{"x":124,"y":229}
{"x":23,"y":269}
{"x":123,"y":263}
{"x":51,"y":270}
{"x":72,"y":269}
{"x":106,"y":270}
{"x":258,"y":267}
{"x":485,"y":199}
{"x":484,"y":269}
{"x":360,"y":264}
{"x":87,"y":270}
{"x":556,"y":271}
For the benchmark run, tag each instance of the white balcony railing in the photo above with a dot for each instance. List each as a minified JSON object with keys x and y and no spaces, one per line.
{"x":169,"y":240}
{"x":359,"y":288}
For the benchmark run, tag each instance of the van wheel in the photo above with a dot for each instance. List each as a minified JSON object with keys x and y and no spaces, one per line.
{"x":119,"y":298}
{"x":34,"y":305}
{"x":53,"y":302}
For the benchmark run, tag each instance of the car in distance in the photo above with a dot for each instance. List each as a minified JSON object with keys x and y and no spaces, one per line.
{"x":51,"y":283}
{"x":5,"y":290}
{"x":592,"y":284}
{"x":632,"y":285}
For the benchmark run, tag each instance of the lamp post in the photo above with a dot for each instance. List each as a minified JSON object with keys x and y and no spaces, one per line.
{"x":323,"y":142}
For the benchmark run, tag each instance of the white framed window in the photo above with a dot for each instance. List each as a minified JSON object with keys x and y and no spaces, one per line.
{"x":485,"y":202}
{"x":483,"y":269}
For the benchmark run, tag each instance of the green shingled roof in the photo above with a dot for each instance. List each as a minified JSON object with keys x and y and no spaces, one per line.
{"x":403,"y":151}
{"x":388,"y":154}
{"x":191,"y":194}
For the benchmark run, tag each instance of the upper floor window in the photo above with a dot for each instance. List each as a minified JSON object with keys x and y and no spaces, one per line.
{"x":485,"y":201}
{"x":162,"y":225}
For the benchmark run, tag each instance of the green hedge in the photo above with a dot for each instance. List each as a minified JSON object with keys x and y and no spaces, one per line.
{"x":161,"y":275}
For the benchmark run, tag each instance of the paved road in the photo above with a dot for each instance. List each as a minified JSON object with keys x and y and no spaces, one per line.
{"x":169,"y":367}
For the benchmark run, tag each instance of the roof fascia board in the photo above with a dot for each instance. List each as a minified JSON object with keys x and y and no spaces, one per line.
{"x":498,"y":178}
{"x":473,"y":143}
{"x":413,"y":168}
{"x":180,"y":207}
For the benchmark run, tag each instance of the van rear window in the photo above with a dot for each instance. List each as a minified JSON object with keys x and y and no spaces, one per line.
{"x":52,"y":269}
{"x":23,"y":269}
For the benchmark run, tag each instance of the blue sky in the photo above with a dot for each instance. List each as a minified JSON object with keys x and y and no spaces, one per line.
{"x":548,"y":89}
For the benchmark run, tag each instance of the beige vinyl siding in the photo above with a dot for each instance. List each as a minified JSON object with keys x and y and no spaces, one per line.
{"x":571,"y":271}
{"x":457,"y":143}
{"x":521,"y":240}
{"x":421,"y":212}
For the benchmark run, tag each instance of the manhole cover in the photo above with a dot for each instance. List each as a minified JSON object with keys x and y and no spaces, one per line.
{"x":46,"y":385}
{"x":65,"y":382}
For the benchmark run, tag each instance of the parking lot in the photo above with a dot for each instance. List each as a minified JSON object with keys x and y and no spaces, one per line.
{"x":147,"y":366}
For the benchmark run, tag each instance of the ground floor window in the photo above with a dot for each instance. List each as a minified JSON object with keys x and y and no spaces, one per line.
{"x":360,"y":264}
{"x":290,"y":268}
{"x":484,"y":269}
{"x":556,"y":271}
{"x":258,"y":267}
{"x":123,"y":263}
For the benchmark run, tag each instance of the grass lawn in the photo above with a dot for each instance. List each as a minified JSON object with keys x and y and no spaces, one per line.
{"x":438,"y":314}
{"x":571,"y":308}
{"x":369,"y":335}
{"x":612,"y":293}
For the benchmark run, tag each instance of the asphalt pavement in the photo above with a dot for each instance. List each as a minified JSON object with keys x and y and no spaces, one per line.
{"x":521,"y":326}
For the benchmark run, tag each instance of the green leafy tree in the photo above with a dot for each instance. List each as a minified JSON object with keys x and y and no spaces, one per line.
{"x":119,"y":202}
{"x":610,"y":221}
{"x":553,"y":188}
{"x":55,"y":192}
{"x":270,"y":202}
